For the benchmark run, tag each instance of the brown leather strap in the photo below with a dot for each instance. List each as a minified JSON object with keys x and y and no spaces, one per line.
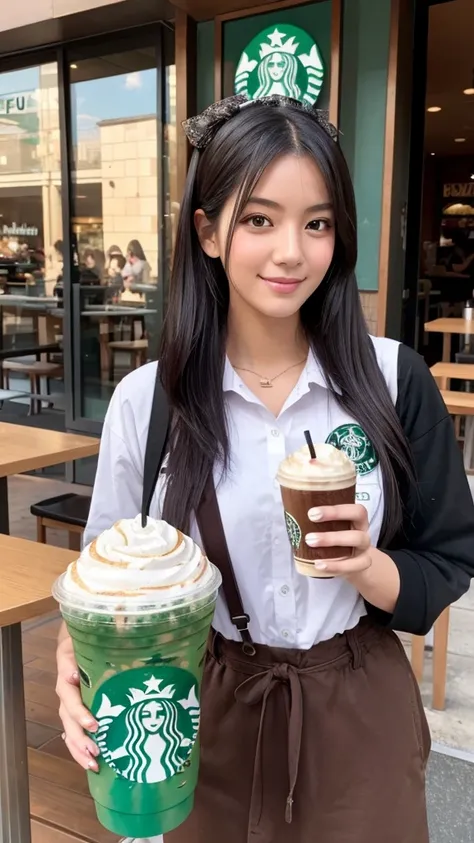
{"x":208,"y":514}
{"x":215,"y":544}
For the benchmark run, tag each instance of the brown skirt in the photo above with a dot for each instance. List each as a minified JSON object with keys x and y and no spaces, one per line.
{"x":327,"y":745}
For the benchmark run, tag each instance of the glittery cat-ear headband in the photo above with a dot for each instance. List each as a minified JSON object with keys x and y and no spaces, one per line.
{"x":201,"y":129}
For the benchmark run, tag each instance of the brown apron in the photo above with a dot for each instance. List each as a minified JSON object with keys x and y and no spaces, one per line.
{"x":327,"y":745}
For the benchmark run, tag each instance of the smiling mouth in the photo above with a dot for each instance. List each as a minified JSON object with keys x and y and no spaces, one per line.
{"x":283,"y":281}
{"x":283,"y":285}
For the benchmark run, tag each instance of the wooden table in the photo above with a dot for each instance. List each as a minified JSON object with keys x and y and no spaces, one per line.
{"x":22,"y":596}
{"x":25,"y":448}
{"x":459,"y":403}
{"x":448,"y":327}
{"x":445,"y":372}
{"x":462,"y":404}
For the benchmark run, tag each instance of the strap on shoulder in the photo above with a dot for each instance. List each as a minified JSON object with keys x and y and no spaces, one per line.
{"x":157,"y":440}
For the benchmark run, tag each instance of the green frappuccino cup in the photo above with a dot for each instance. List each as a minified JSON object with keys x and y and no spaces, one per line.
{"x":141,"y":666}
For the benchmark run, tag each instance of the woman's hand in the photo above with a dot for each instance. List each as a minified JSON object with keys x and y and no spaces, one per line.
{"x":75,"y":717}
{"x":371,"y":571}
{"x":356,"y":540}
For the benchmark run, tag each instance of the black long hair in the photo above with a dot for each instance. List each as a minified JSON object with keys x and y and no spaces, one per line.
{"x":135,"y":249}
{"x":194,"y":338}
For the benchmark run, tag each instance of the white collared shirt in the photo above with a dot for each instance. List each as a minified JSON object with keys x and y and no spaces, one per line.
{"x":285,"y":608}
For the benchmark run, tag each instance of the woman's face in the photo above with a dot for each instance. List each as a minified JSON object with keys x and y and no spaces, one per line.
{"x":90,"y":262}
{"x":152,"y":717}
{"x":283,"y":243}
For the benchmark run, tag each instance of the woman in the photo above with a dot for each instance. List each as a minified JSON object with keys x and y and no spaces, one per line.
{"x":92,"y":270}
{"x":137,"y":268}
{"x":314,"y":730}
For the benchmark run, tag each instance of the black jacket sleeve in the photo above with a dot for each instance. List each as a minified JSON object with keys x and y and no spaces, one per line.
{"x":434,"y":550}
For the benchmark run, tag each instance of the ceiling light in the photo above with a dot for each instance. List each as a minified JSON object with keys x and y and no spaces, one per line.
{"x":472,"y":176}
{"x":434,"y":108}
{"x":459,"y":140}
{"x":73,"y":66}
{"x":433,"y":153}
{"x":470,"y":91}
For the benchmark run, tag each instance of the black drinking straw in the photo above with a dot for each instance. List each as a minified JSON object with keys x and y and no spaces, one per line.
{"x":307,"y":436}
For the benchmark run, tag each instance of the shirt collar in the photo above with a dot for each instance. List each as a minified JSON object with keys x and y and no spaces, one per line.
{"x":312,"y":374}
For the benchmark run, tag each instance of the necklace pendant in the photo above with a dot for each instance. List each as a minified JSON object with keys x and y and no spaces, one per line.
{"x":265,"y":383}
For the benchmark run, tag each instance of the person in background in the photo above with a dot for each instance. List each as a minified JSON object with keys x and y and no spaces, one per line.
{"x":466,"y":266}
{"x":459,"y":253}
{"x":110,"y":255}
{"x":137,"y":269}
{"x":93,"y":268}
{"x":114,"y":281}
{"x":115,"y":268}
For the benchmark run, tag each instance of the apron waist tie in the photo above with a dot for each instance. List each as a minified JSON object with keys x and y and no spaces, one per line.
{"x":255,"y":690}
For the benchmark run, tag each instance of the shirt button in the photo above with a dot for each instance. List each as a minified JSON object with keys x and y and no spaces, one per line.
{"x":285,"y":633}
{"x":275,"y":433}
{"x":276,"y":542}
{"x":285,"y":589}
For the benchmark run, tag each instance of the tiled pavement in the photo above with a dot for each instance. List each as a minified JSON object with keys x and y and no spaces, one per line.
{"x":451,"y":780}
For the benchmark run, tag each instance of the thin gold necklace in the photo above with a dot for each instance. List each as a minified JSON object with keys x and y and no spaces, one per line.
{"x":267,"y":383}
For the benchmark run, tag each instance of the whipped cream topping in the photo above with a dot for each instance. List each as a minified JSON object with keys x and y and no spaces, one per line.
{"x":331,"y":469}
{"x":138,"y":563}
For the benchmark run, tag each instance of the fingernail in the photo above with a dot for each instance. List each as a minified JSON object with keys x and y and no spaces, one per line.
{"x":75,"y":676}
{"x":313,"y":539}
{"x":88,"y":723}
{"x":92,"y":766}
{"x":321,"y":566}
{"x":315,"y":515}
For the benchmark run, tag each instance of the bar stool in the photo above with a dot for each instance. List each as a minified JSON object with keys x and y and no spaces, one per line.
{"x":440,"y":659}
{"x":65,"y":512}
{"x":34,"y":370}
{"x":137,"y":349}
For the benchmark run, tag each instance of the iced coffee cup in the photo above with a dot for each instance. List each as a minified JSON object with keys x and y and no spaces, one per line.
{"x":138,"y":604}
{"x":328,"y":480}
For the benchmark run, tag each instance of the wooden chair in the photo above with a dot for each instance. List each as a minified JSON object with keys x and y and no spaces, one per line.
{"x":137,"y":349}
{"x":34,"y":370}
{"x":65,"y":512}
{"x":440,"y":659}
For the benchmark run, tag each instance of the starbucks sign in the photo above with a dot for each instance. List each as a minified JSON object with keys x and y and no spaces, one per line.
{"x":282,"y":60}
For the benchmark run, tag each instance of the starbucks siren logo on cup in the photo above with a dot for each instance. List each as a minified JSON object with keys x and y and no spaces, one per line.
{"x":146,"y":733}
{"x":281,"y":60}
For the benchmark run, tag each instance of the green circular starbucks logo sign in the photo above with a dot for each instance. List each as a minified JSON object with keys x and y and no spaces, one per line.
{"x":293,"y":530}
{"x":281,"y":60}
{"x":354,"y":442}
{"x":148,"y":722}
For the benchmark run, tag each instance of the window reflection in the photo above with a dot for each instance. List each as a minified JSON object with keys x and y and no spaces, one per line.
{"x":118,"y":291}
{"x":31,"y":254}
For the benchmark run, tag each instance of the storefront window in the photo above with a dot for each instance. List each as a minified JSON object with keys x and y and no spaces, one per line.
{"x":122,"y":154}
{"x":30,"y":228}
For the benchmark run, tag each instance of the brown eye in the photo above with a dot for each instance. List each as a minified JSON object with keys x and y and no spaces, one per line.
{"x":257,"y":221}
{"x":319,"y":225}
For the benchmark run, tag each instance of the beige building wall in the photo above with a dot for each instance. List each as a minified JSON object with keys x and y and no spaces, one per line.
{"x":369,"y":306}
{"x":35,"y":11}
{"x":130,"y":185}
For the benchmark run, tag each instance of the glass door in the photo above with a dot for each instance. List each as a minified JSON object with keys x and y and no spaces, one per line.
{"x":31,"y":319}
{"x":122,"y":151}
